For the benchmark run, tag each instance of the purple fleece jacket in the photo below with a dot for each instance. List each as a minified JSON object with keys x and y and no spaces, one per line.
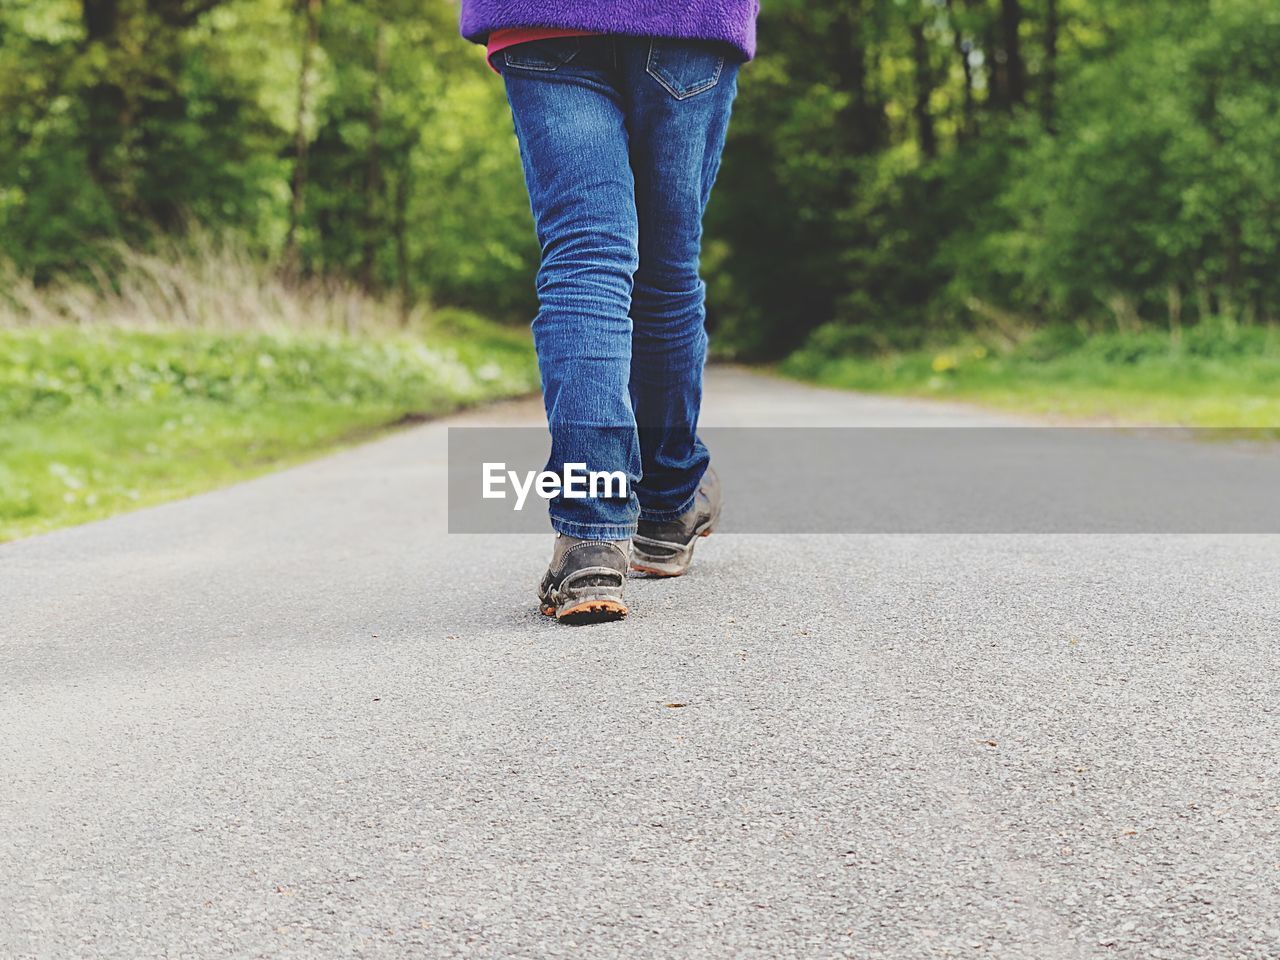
{"x":730,"y":21}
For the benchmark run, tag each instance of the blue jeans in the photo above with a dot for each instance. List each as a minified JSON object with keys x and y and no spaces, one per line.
{"x":621,"y":139}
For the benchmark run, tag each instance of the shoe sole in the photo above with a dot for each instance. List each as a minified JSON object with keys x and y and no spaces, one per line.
{"x":588,"y":611}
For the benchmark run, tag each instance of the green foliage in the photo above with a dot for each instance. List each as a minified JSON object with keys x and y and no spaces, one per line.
{"x":43,"y":373}
{"x":1216,"y":374}
{"x":893,"y":169}
{"x":1162,"y":180}
{"x":152,"y":115}
{"x":900,"y":169}
{"x":96,"y":421}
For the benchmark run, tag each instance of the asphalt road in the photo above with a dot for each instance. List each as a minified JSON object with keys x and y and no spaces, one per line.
{"x":293,"y":718}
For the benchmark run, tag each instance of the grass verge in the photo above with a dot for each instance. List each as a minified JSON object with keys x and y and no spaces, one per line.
{"x":98,"y":420}
{"x":1212,"y":375}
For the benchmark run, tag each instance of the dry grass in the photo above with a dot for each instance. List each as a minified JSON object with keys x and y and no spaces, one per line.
{"x":201,"y":283}
{"x":197,"y":365}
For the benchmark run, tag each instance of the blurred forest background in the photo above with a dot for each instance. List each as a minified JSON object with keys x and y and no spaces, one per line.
{"x":896,"y":166}
{"x":1062,"y":205}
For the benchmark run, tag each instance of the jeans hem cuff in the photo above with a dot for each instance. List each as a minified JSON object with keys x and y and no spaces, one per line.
{"x":593,"y":531}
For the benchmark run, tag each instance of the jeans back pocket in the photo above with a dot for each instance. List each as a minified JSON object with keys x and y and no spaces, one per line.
{"x":685,"y":68}
{"x":544,"y":55}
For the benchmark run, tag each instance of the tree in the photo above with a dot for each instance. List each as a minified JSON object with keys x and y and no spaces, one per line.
{"x":302,"y":138}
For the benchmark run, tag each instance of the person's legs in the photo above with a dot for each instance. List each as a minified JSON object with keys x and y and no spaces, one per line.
{"x":569,"y":119}
{"x":621,"y":141}
{"x":679,"y":97}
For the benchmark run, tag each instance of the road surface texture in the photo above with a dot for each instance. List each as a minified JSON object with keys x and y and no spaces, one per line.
{"x":294,"y":718}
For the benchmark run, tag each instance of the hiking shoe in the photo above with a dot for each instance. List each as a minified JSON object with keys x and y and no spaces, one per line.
{"x":583,"y":584}
{"x":664,"y":548}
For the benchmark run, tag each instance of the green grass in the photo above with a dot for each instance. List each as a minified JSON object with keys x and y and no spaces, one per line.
{"x":1213,"y":375}
{"x":97,"y":420}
